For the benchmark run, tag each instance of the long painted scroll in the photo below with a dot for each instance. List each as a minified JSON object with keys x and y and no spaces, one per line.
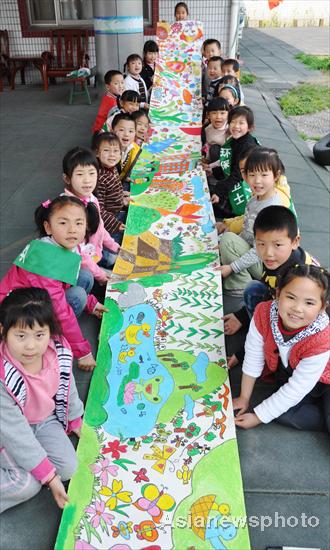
{"x":158,"y":460}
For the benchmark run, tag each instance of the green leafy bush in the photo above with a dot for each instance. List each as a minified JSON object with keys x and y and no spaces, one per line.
{"x":321,"y":63}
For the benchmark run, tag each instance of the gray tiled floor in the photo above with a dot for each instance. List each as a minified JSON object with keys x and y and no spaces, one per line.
{"x":284,"y":471}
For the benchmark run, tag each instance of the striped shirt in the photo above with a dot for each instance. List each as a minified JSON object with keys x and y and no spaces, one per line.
{"x":110,"y":195}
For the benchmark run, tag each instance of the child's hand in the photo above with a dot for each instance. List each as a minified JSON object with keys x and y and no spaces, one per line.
{"x":77,"y":431}
{"x":226,"y":270}
{"x":99,"y":310}
{"x":146,"y":106}
{"x":247,"y":420}
{"x":87,"y":363}
{"x":231,"y":324}
{"x":221,"y":227}
{"x":215,"y":199}
{"x":122,"y":227}
{"x":58,"y":491}
{"x":240,"y":404}
{"x":232,"y":361}
{"x":127,"y":199}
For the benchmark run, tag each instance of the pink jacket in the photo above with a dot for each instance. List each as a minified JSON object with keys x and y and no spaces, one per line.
{"x":17,"y":277}
{"x":93,"y":248}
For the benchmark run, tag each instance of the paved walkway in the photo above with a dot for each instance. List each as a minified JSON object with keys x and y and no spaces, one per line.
{"x":285,"y":472}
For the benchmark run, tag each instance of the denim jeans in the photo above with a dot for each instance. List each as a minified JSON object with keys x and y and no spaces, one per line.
{"x":254,"y":293}
{"x":76,"y":296}
{"x":108,"y":258}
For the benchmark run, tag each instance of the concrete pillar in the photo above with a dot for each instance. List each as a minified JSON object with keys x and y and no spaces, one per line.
{"x":233,"y":29}
{"x":118,"y":26}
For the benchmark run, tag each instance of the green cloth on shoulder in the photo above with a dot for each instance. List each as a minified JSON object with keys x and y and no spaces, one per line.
{"x":49,"y":260}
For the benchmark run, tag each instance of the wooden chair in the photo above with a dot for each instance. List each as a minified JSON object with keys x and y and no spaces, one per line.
{"x":68,"y":52}
{"x":9,"y":65}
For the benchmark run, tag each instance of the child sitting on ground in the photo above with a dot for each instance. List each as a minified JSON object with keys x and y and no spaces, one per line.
{"x":128,"y":103}
{"x":181,"y":12}
{"x":291,"y":335}
{"x":241,"y":123}
{"x":124,"y":127}
{"x":230,"y":93}
{"x":142,"y":123}
{"x":240,"y":262}
{"x":39,"y":400}
{"x":210,"y":48}
{"x":133,"y":79}
{"x":150,"y":54}
{"x":53,"y":262}
{"x":109,"y":189}
{"x":114,"y":85}
{"x":277,"y":244}
{"x":80,"y":173}
{"x":215,"y":134}
{"x":230,"y":68}
{"x":214,"y":74}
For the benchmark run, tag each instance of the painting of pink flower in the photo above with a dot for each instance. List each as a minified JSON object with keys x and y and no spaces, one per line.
{"x":129,"y":393}
{"x":97,"y":511}
{"x":103,"y":467}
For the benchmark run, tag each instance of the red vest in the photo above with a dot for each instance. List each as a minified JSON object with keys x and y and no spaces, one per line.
{"x":309,"y":346}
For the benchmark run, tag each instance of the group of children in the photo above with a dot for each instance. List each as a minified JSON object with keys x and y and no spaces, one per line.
{"x":49,"y":285}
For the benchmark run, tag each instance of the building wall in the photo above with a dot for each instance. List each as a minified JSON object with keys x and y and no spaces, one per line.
{"x":289,"y":13}
{"x":215,"y":15}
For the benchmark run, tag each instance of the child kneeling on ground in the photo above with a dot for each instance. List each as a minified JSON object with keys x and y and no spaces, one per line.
{"x":39,"y":400}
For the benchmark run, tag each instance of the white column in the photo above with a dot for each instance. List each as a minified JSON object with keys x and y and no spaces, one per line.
{"x":118,"y":26}
{"x":233,"y":29}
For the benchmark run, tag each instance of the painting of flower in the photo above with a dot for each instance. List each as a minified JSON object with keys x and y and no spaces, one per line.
{"x":116,"y":494}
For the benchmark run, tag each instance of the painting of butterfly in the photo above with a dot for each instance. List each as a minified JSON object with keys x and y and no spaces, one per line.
{"x":154,"y":502}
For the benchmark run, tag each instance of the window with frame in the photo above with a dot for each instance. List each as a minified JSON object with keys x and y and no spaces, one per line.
{"x":61,"y":13}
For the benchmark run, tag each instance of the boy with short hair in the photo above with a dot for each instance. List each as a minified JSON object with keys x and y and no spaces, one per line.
{"x":124,"y":127}
{"x":277,"y":244}
{"x":230,"y":67}
{"x":214,"y":73}
{"x":211,"y":47}
{"x":114,"y":85}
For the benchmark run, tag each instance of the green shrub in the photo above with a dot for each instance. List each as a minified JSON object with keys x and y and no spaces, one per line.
{"x":305,"y":99}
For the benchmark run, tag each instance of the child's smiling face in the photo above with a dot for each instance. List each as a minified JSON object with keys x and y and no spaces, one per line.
{"x":109,"y":154}
{"x":83,"y":180}
{"x":116,"y":85}
{"x":299,"y":303}
{"x":125,"y":130}
{"x":214,"y":69}
{"x":142,"y":127}
{"x":135,"y":67}
{"x":238,"y":127}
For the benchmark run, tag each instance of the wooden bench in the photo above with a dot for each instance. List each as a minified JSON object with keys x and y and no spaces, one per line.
{"x":11,"y":64}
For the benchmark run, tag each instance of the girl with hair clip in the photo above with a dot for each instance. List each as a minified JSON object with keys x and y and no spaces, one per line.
{"x":291,"y":336}
{"x":39,"y":400}
{"x":133,"y":79}
{"x":80,"y":174}
{"x":53,"y":262}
